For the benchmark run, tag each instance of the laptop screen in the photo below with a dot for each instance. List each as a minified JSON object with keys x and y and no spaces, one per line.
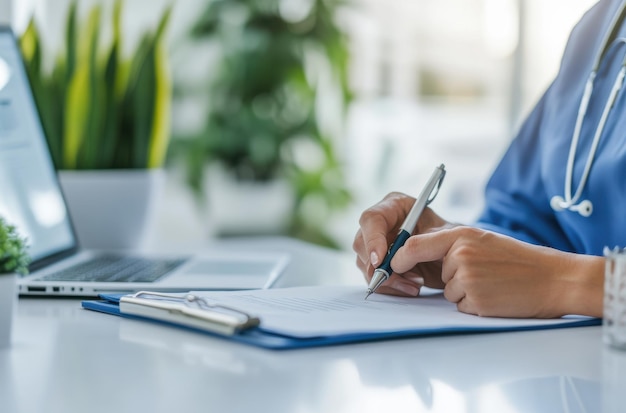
{"x":30,"y":197}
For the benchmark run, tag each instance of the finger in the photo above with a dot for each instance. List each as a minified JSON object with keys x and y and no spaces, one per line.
{"x":380,"y":223}
{"x":400,"y":287}
{"x":395,"y":285}
{"x":423,"y":248}
{"x":449,"y":267}
{"x":465,"y":306}
{"x":374,"y":230}
{"x":358,"y":245}
{"x":366,"y":269}
{"x":454,"y":291}
{"x":414,"y":278}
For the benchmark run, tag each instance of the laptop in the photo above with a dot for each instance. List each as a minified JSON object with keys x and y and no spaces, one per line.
{"x":32,"y":200}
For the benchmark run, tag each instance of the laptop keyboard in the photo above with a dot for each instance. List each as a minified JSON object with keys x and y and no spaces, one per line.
{"x":114,"y":268}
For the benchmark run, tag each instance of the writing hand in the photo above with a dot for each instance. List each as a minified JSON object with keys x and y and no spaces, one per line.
{"x":489,"y":274}
{"x":379,"y":226}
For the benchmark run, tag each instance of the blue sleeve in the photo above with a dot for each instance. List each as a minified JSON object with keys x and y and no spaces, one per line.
{"x":516,"y":201}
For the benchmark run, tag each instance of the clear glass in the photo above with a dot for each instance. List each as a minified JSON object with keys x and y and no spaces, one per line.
{"x":614,"y":320}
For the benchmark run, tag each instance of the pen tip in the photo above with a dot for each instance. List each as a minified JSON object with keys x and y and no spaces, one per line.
{"x":369,"y":292}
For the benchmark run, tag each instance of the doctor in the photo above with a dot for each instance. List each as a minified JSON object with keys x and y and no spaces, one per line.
{"x":557,"y":198}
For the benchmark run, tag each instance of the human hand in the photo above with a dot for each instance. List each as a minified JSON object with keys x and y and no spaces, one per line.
{"x":379,"y":225}
{"x":484,"y":273}
{"x":489,"y":274}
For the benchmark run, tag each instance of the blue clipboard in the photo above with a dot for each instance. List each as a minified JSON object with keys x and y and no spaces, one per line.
{"x":260,"y":337}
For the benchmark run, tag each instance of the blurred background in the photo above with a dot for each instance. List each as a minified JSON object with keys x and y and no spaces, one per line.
{"x":289,"y":117}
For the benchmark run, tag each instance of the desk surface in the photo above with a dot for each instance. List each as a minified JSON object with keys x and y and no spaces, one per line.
{"x":66,"y":359}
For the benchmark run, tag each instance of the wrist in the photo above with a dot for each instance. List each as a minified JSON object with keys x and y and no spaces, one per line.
{"x":580,"y":289}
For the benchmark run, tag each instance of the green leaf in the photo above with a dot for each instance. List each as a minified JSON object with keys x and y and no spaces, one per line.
{"x":31,"y":47}
{"x":93,"y":138}
{"x":161,"y":117}
{"x":140,"y":96}
{"x":76,"y":114}
{"x":70,"y":43}
{"x":111,"y":106}
{"x":162,"y":109}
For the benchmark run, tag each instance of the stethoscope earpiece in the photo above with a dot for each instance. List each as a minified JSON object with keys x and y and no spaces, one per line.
{"x":557,"y":203}
{"x":584,"y":208}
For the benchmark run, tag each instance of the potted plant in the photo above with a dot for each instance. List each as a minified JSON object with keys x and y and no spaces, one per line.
{"x":106,"y":115}
{"x":14,"y":259}
{"x":263,"y":128}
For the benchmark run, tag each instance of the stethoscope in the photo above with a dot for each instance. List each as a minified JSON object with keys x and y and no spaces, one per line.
{"x":573,"y":203}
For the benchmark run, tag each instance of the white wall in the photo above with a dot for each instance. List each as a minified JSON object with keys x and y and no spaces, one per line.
{"x":138,"y":15}
{"x":5,"y":11}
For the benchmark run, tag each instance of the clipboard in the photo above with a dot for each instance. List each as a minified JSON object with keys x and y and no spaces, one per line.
{"x":192,"y":313}
{"x":187,"y":310}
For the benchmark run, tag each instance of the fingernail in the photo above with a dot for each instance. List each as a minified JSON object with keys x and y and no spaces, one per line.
{"x":374,"y":258}
{"x":408,"y":289}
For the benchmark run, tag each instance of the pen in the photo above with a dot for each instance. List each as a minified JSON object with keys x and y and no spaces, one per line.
{"x":383,"y":272}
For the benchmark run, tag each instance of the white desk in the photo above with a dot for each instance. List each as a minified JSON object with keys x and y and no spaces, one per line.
{"x":65,"y":359}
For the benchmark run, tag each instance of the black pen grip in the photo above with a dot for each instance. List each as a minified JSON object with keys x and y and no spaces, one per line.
{"x":403,"y":235}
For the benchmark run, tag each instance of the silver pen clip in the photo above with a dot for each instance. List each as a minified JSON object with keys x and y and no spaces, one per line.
{"x":434,"y":195}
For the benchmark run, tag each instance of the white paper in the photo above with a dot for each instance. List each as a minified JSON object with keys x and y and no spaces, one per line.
{"x":333,"y":310}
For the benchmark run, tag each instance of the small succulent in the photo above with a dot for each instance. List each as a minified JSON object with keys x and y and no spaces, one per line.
{"x":13,"y":250}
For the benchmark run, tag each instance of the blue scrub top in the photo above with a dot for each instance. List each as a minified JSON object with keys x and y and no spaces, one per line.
{"x":533,"y":169}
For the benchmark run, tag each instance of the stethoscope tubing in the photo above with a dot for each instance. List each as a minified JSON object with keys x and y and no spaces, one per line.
{"x":567,"y":201}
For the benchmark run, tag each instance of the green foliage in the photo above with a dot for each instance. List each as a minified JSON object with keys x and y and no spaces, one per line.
{"x":263,"y":96}
{"x":13,"y":250}
{"x":99,"y":109}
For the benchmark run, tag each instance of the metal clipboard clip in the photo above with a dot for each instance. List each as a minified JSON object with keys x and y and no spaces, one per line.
{"x":189,"y":310}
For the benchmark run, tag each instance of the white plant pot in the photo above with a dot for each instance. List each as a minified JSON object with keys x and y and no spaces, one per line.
{"x":247,"y":208}
{"x":8,"y":305}
{"x":112,"y":209}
